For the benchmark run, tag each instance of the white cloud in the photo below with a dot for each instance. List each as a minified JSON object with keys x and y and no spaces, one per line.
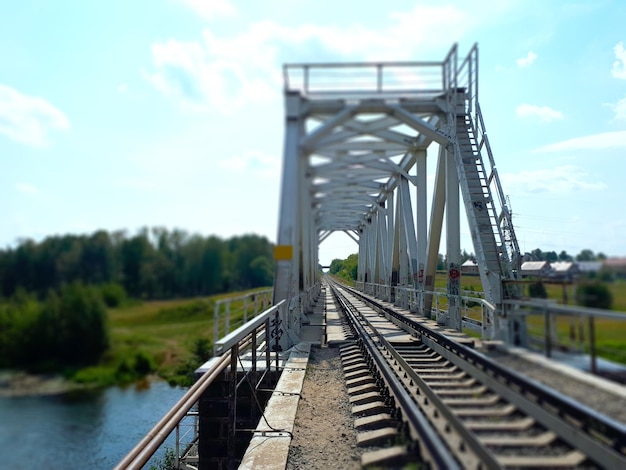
{"x":526,"y":61}
{"x":26,"y":188}
{"x":220,"y":74}
{"x":211,"y":9}
{"x":257,"y":162}
{"x":559,"y":180}
{"x":228,"y":72}
{"x":544,"y":113}
{"x":122,"y":88}
{"x":28,"y":119}
{"x":604,"y":140}
{"x":619,"y":66}
{"x":620,"y":109}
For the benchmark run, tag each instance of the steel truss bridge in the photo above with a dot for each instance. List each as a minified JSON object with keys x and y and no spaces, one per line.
{"x":357,"y":143}
{"x":359,"y":138}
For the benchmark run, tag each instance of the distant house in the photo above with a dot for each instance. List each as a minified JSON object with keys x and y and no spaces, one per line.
{"x":588,"y":267}
{"x":616,"y":266}
{"x":565,"y":270}
{"x":469,"y":267}
{"x":535,"y":268}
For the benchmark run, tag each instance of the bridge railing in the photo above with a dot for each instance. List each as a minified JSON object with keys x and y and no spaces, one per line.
{"x":402,"y":78}
{"x":224,"y":310}
{"x":477,"y":311}
{"x":256,"y":334}
{"x":556,"y":327}
{"x":551,"y":326}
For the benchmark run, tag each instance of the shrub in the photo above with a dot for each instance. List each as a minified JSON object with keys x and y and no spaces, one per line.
{"x":143,"y":363}
{"x":537,"y":290}
{"x":113,"y":295}
{"x":595,"y":295}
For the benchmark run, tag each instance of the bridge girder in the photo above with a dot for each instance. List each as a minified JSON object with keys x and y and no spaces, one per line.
{"x":355,"y":160}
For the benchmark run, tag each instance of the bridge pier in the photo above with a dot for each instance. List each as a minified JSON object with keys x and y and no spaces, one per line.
{"x":229,"y":410}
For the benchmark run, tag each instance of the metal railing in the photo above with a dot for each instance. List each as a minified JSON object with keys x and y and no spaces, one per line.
{"x":566,"y":327}
{"x":357,"y":78}
{"x":472,"y":304}
{"x":224,"y":308}
{"x":243,"y":338}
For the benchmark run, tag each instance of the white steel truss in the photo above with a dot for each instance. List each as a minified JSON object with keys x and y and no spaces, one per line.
{"x":356,"y":146}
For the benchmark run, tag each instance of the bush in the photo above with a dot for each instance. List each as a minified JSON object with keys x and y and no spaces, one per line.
{"x":595,"y":295}
{"x":143,"y":363}
{"x":537,"y":290}
{"x":113,"y":295}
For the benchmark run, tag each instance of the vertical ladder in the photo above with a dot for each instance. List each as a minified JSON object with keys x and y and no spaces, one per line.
{"x":475,"y":185}
{"x":497,"y":251}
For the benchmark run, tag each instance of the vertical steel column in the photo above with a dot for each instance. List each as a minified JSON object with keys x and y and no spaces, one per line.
{"x":287,"y":265}
{"x":287,"y":252}
{"x":421,"y":216}
{"x":453,"y":241}
{"x":232,"y":402}
{"x":388,"y":229}
{"x":436,"y":224}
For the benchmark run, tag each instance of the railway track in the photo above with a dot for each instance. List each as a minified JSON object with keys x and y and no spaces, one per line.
{"x":445,"y":404}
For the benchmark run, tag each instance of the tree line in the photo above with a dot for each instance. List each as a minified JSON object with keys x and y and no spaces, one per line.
{"x":54,"y":293}
{"x":152,"y":264}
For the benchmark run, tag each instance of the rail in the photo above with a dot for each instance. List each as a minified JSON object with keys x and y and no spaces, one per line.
{"x":239,"y":340}
{"x":478,"y":313}
{"x":596,"y":435}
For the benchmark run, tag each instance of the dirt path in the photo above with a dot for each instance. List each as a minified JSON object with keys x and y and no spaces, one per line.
{"x":324,"y":436}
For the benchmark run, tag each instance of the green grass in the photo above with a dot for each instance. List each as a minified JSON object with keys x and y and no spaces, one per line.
{"x":610,"y":334}
{"x":159,"y":337}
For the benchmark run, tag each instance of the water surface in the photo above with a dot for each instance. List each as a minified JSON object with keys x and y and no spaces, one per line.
{"x":86,"y":429}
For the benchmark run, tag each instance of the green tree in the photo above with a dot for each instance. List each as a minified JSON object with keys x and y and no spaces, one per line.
{"x":585,"y":255}
{"x":595,"y":295}
{"x":551,"y":256}
{"x":336,"y":265}
{"x":563,"y":256}
{"x":72,"y":327}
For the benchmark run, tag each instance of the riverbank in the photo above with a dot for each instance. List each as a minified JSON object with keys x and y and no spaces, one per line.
{"x":23,"y":384}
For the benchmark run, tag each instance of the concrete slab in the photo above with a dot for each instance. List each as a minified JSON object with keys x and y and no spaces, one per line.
{"x":370,"y":387}
{"x":375,"y":421}
{"x":369,"y":409}
{"x":378,"y":436}
{"x":383,"y":457}
{"x":365,"y":398}
{"x":356,"y":382}
{"x":269,"y":447}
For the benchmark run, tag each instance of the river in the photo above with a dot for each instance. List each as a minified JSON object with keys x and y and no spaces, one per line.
{"x":87,"y":429}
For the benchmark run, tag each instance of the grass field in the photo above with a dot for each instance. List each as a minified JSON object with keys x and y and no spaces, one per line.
{"x":162,"y":336}
{"x":610,"y":334}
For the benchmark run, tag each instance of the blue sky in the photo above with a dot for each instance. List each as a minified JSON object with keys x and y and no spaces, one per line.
{"x":119,"y":114}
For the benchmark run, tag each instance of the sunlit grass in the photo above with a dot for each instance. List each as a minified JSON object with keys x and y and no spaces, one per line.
{"x":164,"y":332}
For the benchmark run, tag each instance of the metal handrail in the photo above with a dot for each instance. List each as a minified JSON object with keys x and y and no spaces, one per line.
{"x":243,"y":331}
{"x":145,"y":449}
{"x":551,"y":307}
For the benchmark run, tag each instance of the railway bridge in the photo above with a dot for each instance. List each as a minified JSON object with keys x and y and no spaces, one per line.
{"x":359,"y":139}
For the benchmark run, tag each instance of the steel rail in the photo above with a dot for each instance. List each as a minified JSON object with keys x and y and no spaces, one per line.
{"x":420,"y":426}
{"x":592,"y":422}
